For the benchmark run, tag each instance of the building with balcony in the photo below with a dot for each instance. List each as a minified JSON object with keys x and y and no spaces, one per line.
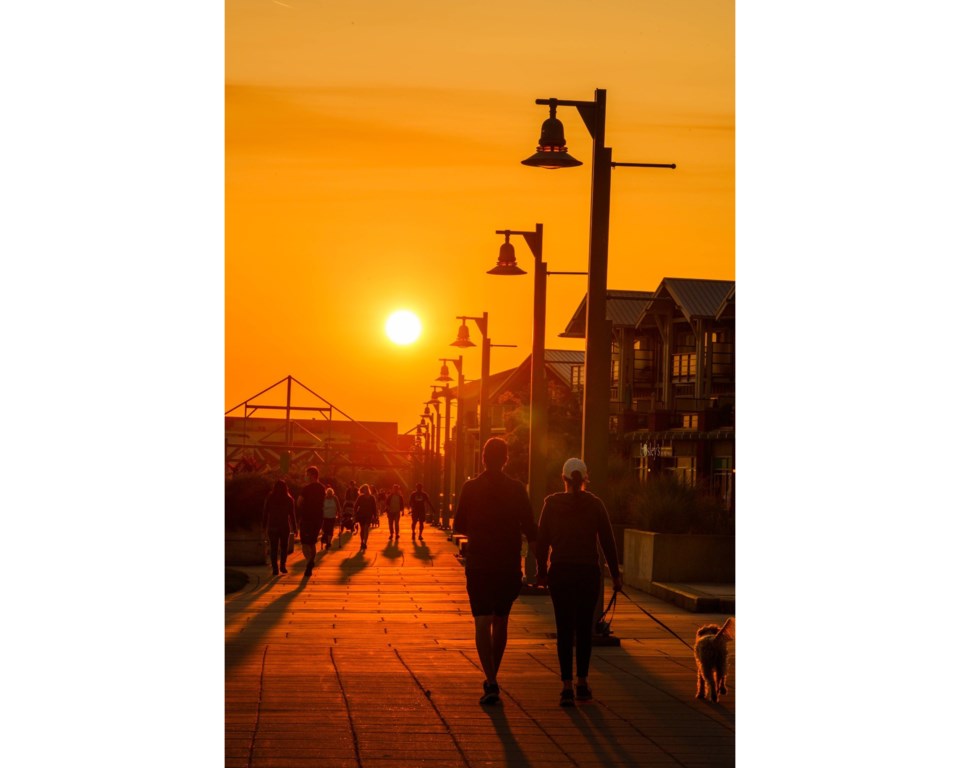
{"x":672,"y":378}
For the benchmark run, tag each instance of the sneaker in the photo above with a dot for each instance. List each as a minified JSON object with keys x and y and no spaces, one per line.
{"x":421,"y":538}
{"x":583,"y":692}
{"x":566,"y":697}
{"x":283,"y":569}
{"x":491,"y":694}
{"x":276,"y":571}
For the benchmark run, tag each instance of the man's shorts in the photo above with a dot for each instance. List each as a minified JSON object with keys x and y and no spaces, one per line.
{"x":419,"y":517}
{"x":492,"y":592}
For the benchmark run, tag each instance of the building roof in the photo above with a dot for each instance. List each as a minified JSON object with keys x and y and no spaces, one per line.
{"x":695,"y":299}
{"x":558,"y":362}
{"x":727,"y":310}
{"x":471,"y":389}
{"x":623,"y":309}
{"x":562,"y":361}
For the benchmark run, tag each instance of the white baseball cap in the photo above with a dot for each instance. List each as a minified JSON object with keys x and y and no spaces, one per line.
{"x":574,"y":465}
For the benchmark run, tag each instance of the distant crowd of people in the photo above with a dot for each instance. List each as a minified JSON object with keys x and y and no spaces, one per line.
{"x":318,"y":512}
{"x":494,"y":512}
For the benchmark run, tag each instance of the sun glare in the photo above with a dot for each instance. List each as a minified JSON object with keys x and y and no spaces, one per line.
{"x":403,"y":327}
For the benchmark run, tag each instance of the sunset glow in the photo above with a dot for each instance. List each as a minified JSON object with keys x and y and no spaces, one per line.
{"x":371,"y":172}
{"x":403,"y":327}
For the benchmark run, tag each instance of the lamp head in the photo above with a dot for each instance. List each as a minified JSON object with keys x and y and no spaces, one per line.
{"x":507,"y":261}
{"x":552,"y":150}
{"x":463,"y":337}
{"x":444,"y":373}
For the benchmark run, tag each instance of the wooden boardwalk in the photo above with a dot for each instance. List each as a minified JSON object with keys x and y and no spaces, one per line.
{"x":370,"y":663}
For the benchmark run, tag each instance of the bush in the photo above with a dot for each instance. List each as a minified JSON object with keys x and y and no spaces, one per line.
{"x":664,"y":504}
{"x":243,"y":501}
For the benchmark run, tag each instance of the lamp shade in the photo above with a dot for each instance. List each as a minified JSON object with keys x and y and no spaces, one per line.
{"x":463,"y":337}
{"x":552,"y":151}
{"x":444,"y":374}
{"x":507,"y":262}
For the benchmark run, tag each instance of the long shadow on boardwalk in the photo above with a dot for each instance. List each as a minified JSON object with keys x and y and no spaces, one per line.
{"x":238,"y":648}
{"x":392,"y":551}
{"x":591,"y":721}
{"x":238,"y":603}
{"x":422,"y":552}
{"x":513,"y":754}
{"x":654,"y":674}
{"x":351,"y":566}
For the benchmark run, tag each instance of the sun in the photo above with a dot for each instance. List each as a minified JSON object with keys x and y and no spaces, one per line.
{"x":403,"y":327}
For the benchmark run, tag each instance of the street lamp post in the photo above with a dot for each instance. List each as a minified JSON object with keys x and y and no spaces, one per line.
{"x":437,"y":485}
{"x":418,"y":462}
{"x":445,"y":483}
{"x":463,"y":340}
{"x":537,"y":448}
{"x":453,"y":479}
{"x":426,"y":421}
{"x":552,"y":153}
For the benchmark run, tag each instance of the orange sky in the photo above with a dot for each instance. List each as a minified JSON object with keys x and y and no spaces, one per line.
{"x":373,"y":148}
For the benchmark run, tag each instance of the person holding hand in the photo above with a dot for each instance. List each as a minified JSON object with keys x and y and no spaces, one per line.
{"x":572,"y":525}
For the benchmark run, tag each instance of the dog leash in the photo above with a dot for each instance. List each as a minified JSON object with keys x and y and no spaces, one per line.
{"x":603,"y":623}
{"x":661,"y":623}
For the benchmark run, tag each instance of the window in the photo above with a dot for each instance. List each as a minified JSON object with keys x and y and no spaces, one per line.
{"x":722,"y":342}
{"x":576,"y":378}
{"x":690,"y":421}
{"x":684,"y":367}
{"x":685,"y":470}
{"x":643,"y":355}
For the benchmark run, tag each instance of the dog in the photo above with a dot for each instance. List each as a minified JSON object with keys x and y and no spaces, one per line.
{"x":710,"y":651}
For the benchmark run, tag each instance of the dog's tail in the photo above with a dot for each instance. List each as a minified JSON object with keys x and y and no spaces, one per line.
{"x":728,"y":630}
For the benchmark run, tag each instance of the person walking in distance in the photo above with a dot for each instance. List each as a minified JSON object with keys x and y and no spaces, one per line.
{"x":381,"y":506}
{"x":366,"y":511}
{"x":279,"y":518}
{"x":394,"y":510}
{"x":349,"y":501}
{"x":331,"y":513}
{"x":493,"y":511}
{"x":310,"y":509}
{"x":572,"y":524}
{"x":419,"y":501}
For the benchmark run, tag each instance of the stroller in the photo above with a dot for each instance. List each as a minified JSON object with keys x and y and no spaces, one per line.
{"x":347,"y":519}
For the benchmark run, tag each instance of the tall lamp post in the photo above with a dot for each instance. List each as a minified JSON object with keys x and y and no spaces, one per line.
{"x":552,"y":153}
{"x":426,"y":421}
{"x":443,"y":500}
{"x":507,"y":265}
{"x":418,"y":454}
{"x":463,"y":340}
{"x":453,"y":479}
{"x":437,"y":486}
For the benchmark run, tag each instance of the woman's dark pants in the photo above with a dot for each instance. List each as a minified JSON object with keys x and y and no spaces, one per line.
{"x":574,"y":590}
{"x":278,"y":538}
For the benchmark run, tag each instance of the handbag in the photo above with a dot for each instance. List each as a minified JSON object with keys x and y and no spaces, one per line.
{"x":290,"y":540}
